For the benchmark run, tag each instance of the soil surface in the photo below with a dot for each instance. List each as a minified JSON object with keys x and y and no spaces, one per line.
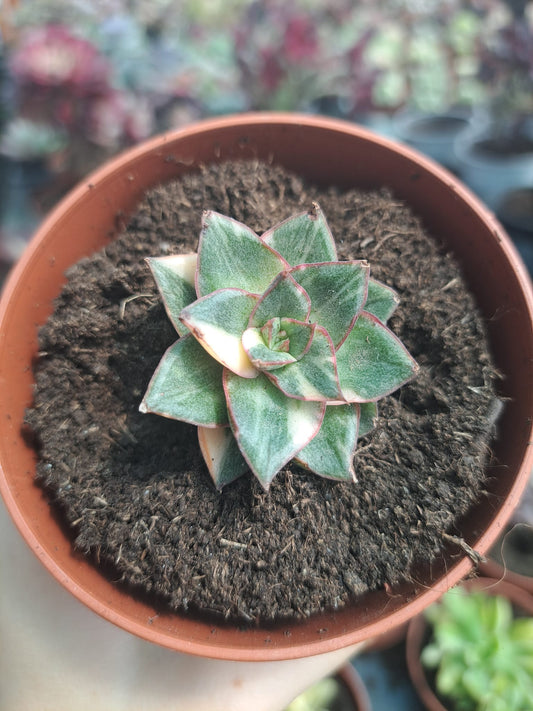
{"x":134,"y":488}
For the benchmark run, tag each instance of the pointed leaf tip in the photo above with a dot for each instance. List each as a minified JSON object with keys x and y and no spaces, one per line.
{"x":330,"y":453}
{"x":372,"y":362}
{"x":269,"y":427}
{"x":283,"y":298}
{"x":187,"y":386}
{"x":221,"y":455}
{"x":337,"y":291}
{"x":381,"y":300}
{"x":231,"y":255}
{"x":303,"y":238}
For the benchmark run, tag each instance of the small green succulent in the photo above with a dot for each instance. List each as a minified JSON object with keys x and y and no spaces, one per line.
{"x":319,"y":697}
{"x":283,"y":350}
{"x":482,"y":655}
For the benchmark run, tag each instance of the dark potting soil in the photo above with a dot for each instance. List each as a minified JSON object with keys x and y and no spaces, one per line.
{"x":134,"y":488}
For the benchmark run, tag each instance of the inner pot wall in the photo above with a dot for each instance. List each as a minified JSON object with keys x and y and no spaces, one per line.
{"x":325,"y":152}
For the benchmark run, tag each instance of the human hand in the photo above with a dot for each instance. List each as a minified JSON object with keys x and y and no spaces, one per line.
{"x":57,"y":655}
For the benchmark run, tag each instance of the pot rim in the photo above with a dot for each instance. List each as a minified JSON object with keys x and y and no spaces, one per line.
{"x":466,"y":144}
{"x":257,"y":645}
{"x":351,"y":679}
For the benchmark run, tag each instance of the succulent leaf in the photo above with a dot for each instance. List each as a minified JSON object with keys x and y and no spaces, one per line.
{"x":372,"y":362}
{"x":274,"y":336}
{"x":187,"y":385}
{"x":298,"y":334}
{"x":304,"y":238}
{"x":218,"y":321}
{"x":230,"y":254}
{"x":221,"y":454}
{"x":381,"y":300}
{"x":261,"y":356}
{"x":283,"y":298}
{"x":368,"y":415}
{"x":314,"y":376}
{"x":174,"y":276}
{"x":337,"y":291}
{"x":330,"y":453}
{"x":270,"y":428}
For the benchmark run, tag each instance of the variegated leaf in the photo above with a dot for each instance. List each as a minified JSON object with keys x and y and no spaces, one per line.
{"x":372,"y":362}
{"x":314,"y":376}
{"x":381,"y":300}
{"x":299,"y":335}
{"x":330,"y":453}
{"x":218,"y":321}
{"x":174,"y":276}
{"x":231,"y":255}
{"x":303,"y":238}
{"x":221,"y":454}
{"x":283,"y":298}
{"x":187,"y":385}
{"x":269,"y":428}
{"x":368,"y":416}
{"x":261,"y":356}
{"x":275,"y":336}
{"x":337,"y":291}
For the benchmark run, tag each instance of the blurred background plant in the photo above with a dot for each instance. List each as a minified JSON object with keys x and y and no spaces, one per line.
{"x":81,"y":81}
{"x":506,"y":69}
{"x":481,"y":651}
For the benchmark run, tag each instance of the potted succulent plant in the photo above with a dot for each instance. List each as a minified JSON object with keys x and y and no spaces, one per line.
{"x":284,"y":341}
{"x":473,"y":649}
{"x":328,"y":153}
{"x":343,"y":692}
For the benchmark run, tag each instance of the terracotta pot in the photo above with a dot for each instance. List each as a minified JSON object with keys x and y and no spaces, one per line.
{"x":418,"y":628}
{"x":327,"y":152}
{"x":352,"y":682}
{"x":495,"y":570}
{"x":388,"y":639}
{"x":516,"y":210}
{"x":493,"y":567}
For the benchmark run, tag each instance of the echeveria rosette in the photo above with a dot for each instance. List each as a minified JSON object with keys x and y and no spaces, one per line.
{"x":283,"y":349}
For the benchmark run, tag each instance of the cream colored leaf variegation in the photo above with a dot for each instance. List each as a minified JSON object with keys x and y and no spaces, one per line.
{"x":330,"y":453}
{"x":270,"y":428}
{"x":221,"y":454}
{"x":218,"y":322}
{"x":174,"y":276}
{"x":282,"y":342}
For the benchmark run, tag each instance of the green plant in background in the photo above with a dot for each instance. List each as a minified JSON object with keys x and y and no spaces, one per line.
{"x":318,"y":697}
{"x":483,"y":657}
{"x":28,"y":140}
{"x":283,"y":350}
{"x":507,"y":69}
